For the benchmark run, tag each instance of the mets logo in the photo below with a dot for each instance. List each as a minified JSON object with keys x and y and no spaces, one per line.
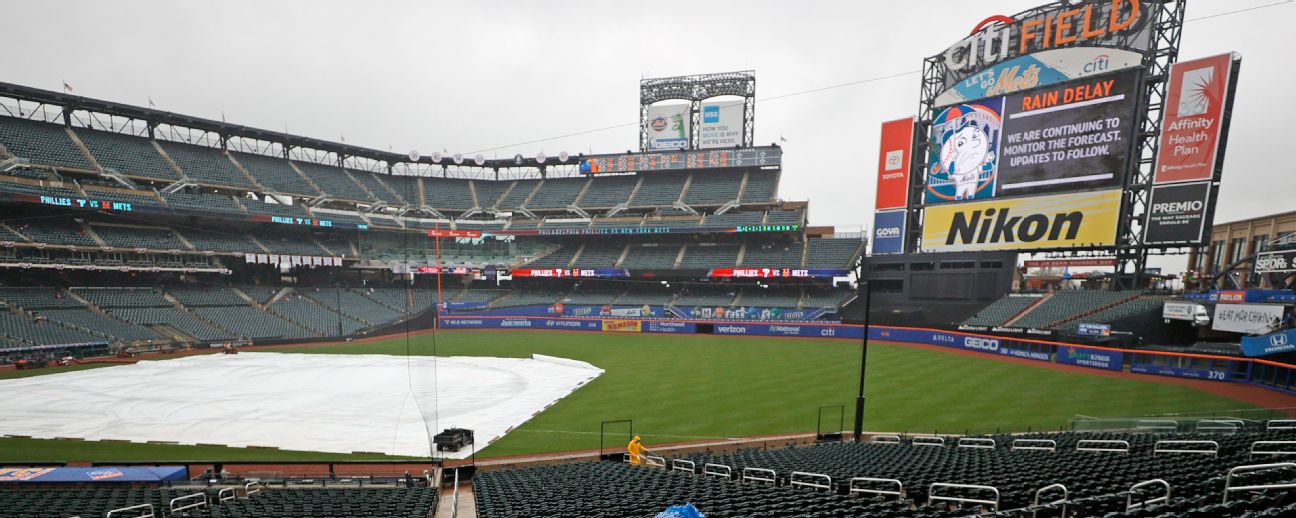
{"x":659,"y":123}
{"x":962,"y":161}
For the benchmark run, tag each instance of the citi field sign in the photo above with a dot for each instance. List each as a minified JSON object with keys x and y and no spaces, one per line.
{"x":1049,"y":44}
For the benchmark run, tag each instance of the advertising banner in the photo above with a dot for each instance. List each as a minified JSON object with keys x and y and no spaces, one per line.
{"x":622,"y":326}
{"x":96,"y":474}
{"x":1283,"y":342}
{"x":1276,"y":262}
{"x":1058,"y":221}
{"x":893,"y":164}
{"x":1194,"y":115}
{"x":888,"y":231}
{"x":653,"y":326}
{"x":804,"y":330}
{"x":1040,"y":69}
{"x":1179,"y":372}
{"x":1094,"y":330}
{"x":570,"y":272}
{"x":1070,"y":263}
{"x":682,"y":160}
{"x":668,"y":126}
{"x":1251,"y":319}
{"x":722,"y":124}
{"x":768,"y":273}
{"x":1179,"y":311}
{"x":1089,"y":357}
{"x":1177,"y":213}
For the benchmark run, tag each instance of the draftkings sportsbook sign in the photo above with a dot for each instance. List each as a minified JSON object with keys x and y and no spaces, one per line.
{"x":1083,"y":219}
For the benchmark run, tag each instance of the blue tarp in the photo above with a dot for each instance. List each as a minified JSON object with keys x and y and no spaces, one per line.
{"x":94,"y":474}
{"x":681,"y":511}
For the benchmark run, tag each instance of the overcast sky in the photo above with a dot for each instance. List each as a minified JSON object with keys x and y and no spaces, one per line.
{"x":471,"y":76}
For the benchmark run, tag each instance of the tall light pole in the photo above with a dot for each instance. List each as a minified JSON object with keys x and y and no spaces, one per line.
{"x":859,"y":398}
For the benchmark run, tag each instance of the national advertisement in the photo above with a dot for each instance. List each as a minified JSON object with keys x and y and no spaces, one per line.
{"x":1177,"y":214}
{"x":721,"y":125}
{"x":1283,"y":261}
{"x":1083,"y":219}
{"x":1090,"y":357}
{"x":668,"y":126}
{"x":893,"y":164}
{"x":888,"y":231}
{"x":1040,"y":69}
{"x":1179,"y":372}
{"x":622,"y":326}
{"x":1251,"y":319}
{"x":1276,"y":343}
{"x":1196,"y":110}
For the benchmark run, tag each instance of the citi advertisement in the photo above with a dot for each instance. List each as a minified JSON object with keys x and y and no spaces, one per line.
{"x":722,"y":124}
{"x":803,"y":330}
{"x":668,"y":127}
{"x":1177,"y":213}
{"x":893,"y":164}
{"x":888,"y":231}
{"x":1039,"y":69}
{"x":1084,"y":219}
{"x":1089,"y":357}
{"x":1195,"y":114}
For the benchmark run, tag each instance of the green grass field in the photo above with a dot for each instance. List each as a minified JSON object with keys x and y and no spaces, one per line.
{"x":679,"y":388}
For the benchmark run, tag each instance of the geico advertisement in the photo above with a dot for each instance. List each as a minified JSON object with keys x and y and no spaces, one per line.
{"x":1058,"y":221}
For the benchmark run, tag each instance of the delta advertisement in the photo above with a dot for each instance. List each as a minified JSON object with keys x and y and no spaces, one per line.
{"x":1084,"y":219}
{"x":1073,"y":136}
{"x":888,"y":231}
{"x":988,"y":59}
{"x":1089,"y":357}
{"x":1197,"y":107}
{"x":668,"y":127}
{"x":722,"y":124}
{"x":1251,"y":319}
{"x":893,"y":164}
{"x":1177,"y":213}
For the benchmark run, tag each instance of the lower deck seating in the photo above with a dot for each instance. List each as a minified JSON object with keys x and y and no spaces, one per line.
{"x":61,"y":502}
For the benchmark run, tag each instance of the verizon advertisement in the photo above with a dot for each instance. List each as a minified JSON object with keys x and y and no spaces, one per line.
{"x":1251,"y":319}
{"x":1177,"y":213}
{"x":1196,"y":109}
{"x":893,"y":164}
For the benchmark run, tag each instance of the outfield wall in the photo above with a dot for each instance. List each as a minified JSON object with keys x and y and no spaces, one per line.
{"x":1265,"y":373}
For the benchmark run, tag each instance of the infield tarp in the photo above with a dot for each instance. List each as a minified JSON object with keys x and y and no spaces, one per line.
{"x":316,"y":402}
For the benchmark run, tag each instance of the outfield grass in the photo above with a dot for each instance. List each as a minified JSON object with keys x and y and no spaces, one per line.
{"x":679,"y":388}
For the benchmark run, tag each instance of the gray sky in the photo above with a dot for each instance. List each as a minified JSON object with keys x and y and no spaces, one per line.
{"x":468,"y":76}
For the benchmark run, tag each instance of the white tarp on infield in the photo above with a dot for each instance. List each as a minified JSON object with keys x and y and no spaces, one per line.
{"x":315,"y":402}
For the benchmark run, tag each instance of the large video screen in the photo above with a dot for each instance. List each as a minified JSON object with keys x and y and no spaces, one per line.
{"x":1073,"y":136}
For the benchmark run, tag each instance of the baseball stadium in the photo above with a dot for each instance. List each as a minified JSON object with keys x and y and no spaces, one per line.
{"x":1046,"y":312}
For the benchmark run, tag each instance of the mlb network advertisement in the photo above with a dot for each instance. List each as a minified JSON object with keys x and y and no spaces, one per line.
{"x":1069,"y":137}
{"x":1075,"y":220}
{"x":1196,"y":112}
{"x":668,"y":127}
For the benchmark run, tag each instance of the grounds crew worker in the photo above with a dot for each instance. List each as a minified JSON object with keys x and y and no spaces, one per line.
{"x":637,"y":450}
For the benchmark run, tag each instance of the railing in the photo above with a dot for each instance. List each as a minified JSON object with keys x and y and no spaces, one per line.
{"x":1129,"y":499}
{"x":1034,"y":444}
{"x":1098,"y":445}
{"x":928,"y":441}
{"x":1164,"y":425}
{"x":976,"y":442}
{"x":717,"y":470}
{"x":1262,"y":444}
{"x":1281,"y":424}
{"x":759,"y":475}
{"x":184,"y":503}
{"x":933,"y":497}
{"x":885,"y":439}
{"x":654,"y":461}
{"x":898,"y":493}
{"x":252,"y":488}
{"x":142,"y":508}
{"x":1220,"y":425}
{"x":811,"y":480}
{"x":1182,"y":447}
{"x":226,"y":495}
{"x":1066,"y":497}
{"x":1228,"y":482}
{"x":454,"y":497}
{"x":686,"y":466}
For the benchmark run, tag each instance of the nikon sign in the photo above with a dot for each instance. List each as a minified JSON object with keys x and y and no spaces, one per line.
{"x":1076,"y":220}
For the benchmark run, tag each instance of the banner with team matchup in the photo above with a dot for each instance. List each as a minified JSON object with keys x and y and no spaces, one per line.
{"x":1197,"y":109}
{"x":1075,"y":220}
{"x":893,"y":164}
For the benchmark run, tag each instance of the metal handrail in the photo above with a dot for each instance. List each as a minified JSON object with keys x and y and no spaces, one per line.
{"x":1280,"y":424}
{"x":1233,"y":425}
{"x":149,"y":514}
{"x":932,"y":496}
{"x":1129,"y":499}
{"x":977,"y":442}
{"x":251,"y":488}
{"x":898,"y":493}
{"x":885,"y":439}
{"x":1080,"y":445}
{"x":1256,"y":444}
{"x":1157,"y":424}
{"x":653,"y":460}
{"x":1034,"y":444}
{"x":1157,"y":448}
{"x":1066,"y":497}
{"x":928,"y":440}
{"x":226,"y":495}
{"x":1228,"y":482}
{"x":750,"y":474}
{"x":813,"y":476}
{"x":199,"y":498}
{"x":678,"y":465}
{"x":454,"y":498}
{"x":715,"y":471}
